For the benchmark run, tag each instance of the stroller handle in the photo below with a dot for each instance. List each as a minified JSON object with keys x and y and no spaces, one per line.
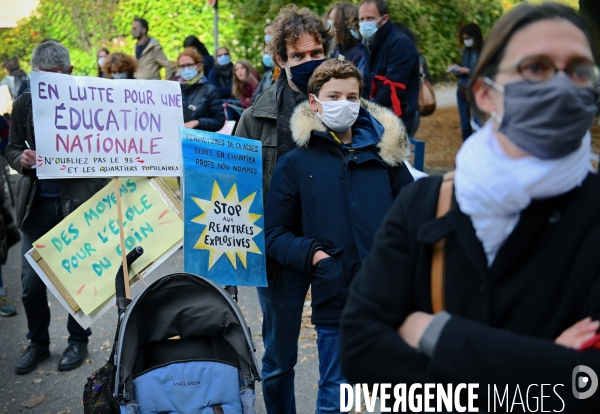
{"x":132,"y":256}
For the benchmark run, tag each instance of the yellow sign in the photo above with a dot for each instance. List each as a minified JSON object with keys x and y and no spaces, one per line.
{"x":84,"y":250}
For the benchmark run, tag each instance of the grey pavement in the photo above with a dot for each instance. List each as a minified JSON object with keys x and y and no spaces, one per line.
{"x":445,"y":97}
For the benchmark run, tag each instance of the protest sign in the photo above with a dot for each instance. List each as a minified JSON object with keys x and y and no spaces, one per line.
{"x":223,"y":208}
{"x":87,"y":126}
{"x":83,"y":253}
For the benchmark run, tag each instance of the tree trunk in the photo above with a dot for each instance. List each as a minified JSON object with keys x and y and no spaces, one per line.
{"x":590,"y":10}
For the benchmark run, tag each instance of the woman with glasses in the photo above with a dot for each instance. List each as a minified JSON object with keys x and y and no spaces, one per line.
{"x":200,"y":100}
{"x":494,"y":279}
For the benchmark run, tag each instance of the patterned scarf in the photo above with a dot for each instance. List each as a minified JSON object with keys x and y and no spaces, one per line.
{"x":287,"y":100}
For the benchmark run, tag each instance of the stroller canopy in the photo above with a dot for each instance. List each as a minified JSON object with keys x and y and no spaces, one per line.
{"x":183,"y":317}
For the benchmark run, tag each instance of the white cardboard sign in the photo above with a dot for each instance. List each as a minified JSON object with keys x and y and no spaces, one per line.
{"x":87,"y":126}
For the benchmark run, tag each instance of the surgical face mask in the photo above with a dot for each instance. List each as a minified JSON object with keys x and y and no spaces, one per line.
{"x":268,"y":38}
{"x":368,"y":29}
{"x":224,"y":60}
{"x":547,"y":119}
{"x":122,"y":75}
{"x":101,"y":60}
{"x":268,"y":61}
{"x":189,"y":73}
{"x":354,"y":34}
{"x":339,"y":116}
{"x":468,"y":42}
{"x":300,"y":74}
{"x":329,"y":24}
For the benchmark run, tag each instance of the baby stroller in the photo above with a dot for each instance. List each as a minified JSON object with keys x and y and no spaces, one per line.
{"x":183,"y":347}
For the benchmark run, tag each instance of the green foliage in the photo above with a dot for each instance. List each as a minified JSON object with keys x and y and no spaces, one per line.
{"x":437,"y":23}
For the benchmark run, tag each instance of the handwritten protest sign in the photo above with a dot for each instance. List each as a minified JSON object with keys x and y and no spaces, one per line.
{"x":223,"y":208}
{"x":83,"y":250}
{"x":88,"y":126}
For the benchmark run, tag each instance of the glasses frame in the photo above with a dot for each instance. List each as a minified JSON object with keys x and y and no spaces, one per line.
{"x":568,"y":70}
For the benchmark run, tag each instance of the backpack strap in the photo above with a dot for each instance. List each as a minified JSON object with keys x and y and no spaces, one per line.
{"x":438,"y":261}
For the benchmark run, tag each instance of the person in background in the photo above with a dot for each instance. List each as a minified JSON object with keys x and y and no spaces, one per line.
{"x":200,"y":100}
{"x":301,"y":41}
{"x":208,"y":61}
{"x":9,"y":235}
{"x":268,"y":31}
{"x":343,"y":19}
{"x":267,"y":78}
{"x":327,"y":198}
{"x":222,"y":74}
{"x":119,"y":66}
{"x":472,"y":38}
{"x":101,"y":57}
{"x":244,"y":82}
{"x":41,"y":205}
{"x":518,"y":300}
{"x":149,"y":53}
{"x":423,"y":69}
{"x":391,"y":75}
{"x":15,"y":78}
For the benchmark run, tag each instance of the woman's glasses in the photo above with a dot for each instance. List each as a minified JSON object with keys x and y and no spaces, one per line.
{"x":583,"y":73}
{"x":189,"y":65}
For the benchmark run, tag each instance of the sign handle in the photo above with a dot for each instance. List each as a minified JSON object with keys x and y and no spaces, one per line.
{"x":122,"y":238}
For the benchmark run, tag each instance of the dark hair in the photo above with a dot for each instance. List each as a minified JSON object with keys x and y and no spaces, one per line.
{"x":513,"y":21}
{"x":193,"y":41}
{"x":475,"y":32}
{"x":143,"y":23}
{"x":382,"y":6}
{"x":346,"y":19}
{"x":333,"y":69}
{"x":11,"y":65}
{"x":291,"y":22}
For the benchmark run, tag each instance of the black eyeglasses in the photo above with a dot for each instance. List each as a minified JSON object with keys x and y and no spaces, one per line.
{"x":223,"y":54}
{"x":189,"y":65}
{"x":583,"y":73}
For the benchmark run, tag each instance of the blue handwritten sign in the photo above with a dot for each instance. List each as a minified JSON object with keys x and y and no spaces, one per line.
{"x":223,"y":208}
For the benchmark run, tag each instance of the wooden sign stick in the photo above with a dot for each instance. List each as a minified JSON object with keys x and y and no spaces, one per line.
{"x":122,"y":238}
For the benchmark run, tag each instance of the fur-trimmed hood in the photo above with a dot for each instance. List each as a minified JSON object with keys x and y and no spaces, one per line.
{"x":394,"y":146}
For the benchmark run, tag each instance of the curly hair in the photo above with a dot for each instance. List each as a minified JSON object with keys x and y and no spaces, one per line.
{"x":125,"y":63}
{"x":289,"y":25}
{"x":346,"y":18}
{"x":193,"y":53}
{"x":333,"y":69}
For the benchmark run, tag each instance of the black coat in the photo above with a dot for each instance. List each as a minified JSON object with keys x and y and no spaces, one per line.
{"x":222,"y":78}
{"x":504,"y":319}
{"x":331,"y":196}
{"x":206,"y":106}
{"x":393,"y":55}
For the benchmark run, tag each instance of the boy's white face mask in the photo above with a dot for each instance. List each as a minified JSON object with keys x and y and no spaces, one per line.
{"x":339,"y":116}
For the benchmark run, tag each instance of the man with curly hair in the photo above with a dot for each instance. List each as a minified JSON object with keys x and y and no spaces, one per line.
{"x":301,"y":42}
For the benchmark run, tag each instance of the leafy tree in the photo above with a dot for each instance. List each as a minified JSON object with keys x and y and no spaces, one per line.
{"x":437,"y":23}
